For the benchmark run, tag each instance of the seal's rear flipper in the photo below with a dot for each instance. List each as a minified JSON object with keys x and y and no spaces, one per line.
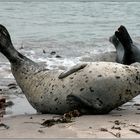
{"x":5,"y":39}
{"x":124,"y":37}
{"x":7,"y":48}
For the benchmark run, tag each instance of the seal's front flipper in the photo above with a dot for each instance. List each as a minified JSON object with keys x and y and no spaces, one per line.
{"x":85,"y":106}
{"x":124,"y":37}
{"x":72,"y":70}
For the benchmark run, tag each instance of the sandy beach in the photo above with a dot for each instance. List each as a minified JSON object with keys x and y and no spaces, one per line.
{"x":122,"y":122}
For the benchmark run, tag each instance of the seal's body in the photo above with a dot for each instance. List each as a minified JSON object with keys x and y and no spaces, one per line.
{"x":94,"y":88}
{"x":97,"y":88}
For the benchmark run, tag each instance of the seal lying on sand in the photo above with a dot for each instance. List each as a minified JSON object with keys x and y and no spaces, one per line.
{"x":94,"y":88}
{"x":128,"y":52}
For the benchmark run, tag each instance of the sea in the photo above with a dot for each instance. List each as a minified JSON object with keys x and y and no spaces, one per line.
{"x":62,"y":34}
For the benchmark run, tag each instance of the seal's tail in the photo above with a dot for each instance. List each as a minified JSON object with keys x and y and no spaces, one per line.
{"x":124,"y":37}
{"x":6,"y":46}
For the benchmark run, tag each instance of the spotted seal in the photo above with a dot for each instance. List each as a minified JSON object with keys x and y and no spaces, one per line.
{"x":128,"y":52}
{"x":93,"y":88}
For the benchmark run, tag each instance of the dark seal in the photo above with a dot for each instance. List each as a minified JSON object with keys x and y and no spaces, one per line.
{"x":128,"y":52}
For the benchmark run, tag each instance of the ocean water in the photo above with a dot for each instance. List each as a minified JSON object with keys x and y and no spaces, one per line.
{"x":73,"y":31}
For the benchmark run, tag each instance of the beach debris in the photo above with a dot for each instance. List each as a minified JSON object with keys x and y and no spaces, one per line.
{"x":66,"y":118}
{"x":116,"y":127}
{"x":134,"y":130}
{"x":44,"y":51}
{"x":136,"y":104}
{"x":8,"y":104}
{"x":2,"y":102}
{"x":118,"y":134}
{"x":104,"y":129}
{"x":117,"y":122}
{"x":58,"y":56}
{"x":3,"y":105}
{"x":40,"y":131}
{"x":4,"y":125}
{"x":138,"y":113}
{"x":53,"y":53}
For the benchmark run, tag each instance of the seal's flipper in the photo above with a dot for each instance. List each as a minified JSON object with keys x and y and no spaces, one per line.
{"x":4,"y":33}
{"x":85,"y":106}
{"x":72,"y":70}
{"x":119,"y":48}
{"x":7,"y":48}
{"x":5,"y":39}
{"x":124,"y":37}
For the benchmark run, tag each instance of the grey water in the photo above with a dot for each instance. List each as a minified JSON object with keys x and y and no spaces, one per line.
{"x":73,"y":30}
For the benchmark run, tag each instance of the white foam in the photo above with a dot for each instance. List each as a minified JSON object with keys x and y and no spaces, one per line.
{"x":55,"y":63}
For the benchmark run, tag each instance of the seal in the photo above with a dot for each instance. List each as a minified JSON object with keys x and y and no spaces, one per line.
{"x":128,"y":52}
{"x":92,"y":88}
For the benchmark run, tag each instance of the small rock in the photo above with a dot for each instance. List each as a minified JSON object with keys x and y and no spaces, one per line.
{"x":117,"y":122}
{"x":44,"y":51}
{"x":8,"y":104}
{"x":58,"y":56}
{"x":104,"y":129}
{"x":53,"y":53}
{"x":136,"y":104}
{"x":118,"y":135}
{"x":4,"y":125}
{"x":40,"y":131}
{"x":116,"y":127}
{"x":134,"y":130}
{"x":21,"y":48}
{"x":2,"y":102}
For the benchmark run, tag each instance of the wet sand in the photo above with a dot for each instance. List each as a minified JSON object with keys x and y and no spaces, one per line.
{"x":124,"y":124}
